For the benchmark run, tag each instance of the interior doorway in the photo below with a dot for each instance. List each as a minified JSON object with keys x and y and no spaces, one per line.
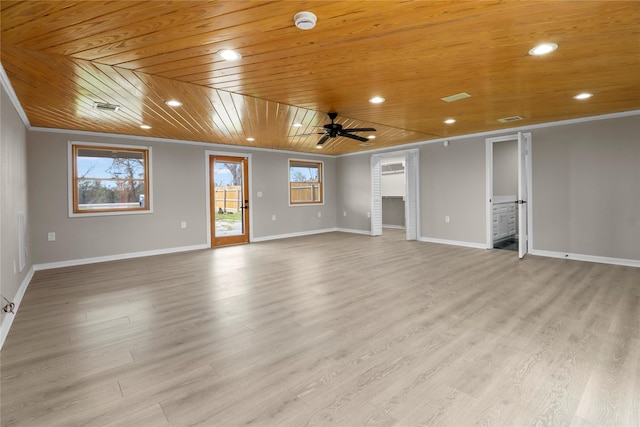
{"x":228,"y":200}
{"x":394,"y":192}
{"x":508,"y":184}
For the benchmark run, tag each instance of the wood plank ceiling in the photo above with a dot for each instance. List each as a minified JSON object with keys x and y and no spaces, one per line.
{"x":62,"y":56}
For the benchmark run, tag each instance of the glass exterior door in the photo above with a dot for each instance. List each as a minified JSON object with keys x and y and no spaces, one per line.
{"x":229,"y":200}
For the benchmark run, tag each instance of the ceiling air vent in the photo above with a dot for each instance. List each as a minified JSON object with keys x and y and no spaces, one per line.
{"x":103,"y":106}
{"x":510,"y":119}
{"x":456,"y":97}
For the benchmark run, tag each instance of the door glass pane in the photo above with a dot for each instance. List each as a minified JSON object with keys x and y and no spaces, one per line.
{"x":228,"y":183}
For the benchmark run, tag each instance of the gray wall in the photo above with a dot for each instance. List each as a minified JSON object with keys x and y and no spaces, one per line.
{"x":13,"y":198}
{"x":179,"y":183}
{"x":452,"y":183}
{"x":586,"y":188}
{"x":353,"y":174}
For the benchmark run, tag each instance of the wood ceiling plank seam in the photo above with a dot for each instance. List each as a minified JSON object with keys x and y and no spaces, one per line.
{"x":95,"y":26}
{"x":194,"y":25}
{"x":163,"y":61}
{"x":199,"y":116}
{"x":218,"y":124}
{"x":64,"y":14}
{"x":223,"y":116}
{"x":102,"y":91}
{"x":203,"y":43}
{"x":155,"y":111}
{"x":278,"y":123}
{"x":121,"y":92}
{"x":243,"y":115}
{"x":22,"y":13}
{"x":158,"y":94}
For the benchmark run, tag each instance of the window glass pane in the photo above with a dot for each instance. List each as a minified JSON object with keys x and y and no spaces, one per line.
{"x":110,"y":179}
{"x":305,"y":182}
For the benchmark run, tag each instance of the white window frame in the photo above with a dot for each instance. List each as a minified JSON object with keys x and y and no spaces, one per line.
{"x":71,"y":184}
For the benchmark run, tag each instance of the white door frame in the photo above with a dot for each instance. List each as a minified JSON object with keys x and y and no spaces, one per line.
{"x":412,"y":192}
{"x":489,"y":185}
{"x":207,"y":154}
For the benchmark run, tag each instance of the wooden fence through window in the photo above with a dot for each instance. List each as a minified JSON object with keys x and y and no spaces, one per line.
{"x":305,"y":192}
{"x":228,"y":198}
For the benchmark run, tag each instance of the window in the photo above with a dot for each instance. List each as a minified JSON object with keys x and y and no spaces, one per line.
{"x":305,"y":182}
{"x":109,"y":179}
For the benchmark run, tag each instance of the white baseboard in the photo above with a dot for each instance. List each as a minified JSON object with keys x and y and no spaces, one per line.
{"x":454,"y":242}
{"x":588,"y":258}
{"x":354,"y":231}
{"x":288,"y":235}
{"x":17,"y":299}
{"x":399,"y":227}
{"x":82,"y":261}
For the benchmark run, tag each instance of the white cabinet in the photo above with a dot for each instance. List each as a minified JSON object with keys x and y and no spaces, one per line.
{"x":504,"y":220}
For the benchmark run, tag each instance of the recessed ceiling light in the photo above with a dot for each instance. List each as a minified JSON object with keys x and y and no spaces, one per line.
{"x":297,"y":125}
{"x":450,"y":121}
{"x":229,"y":55}
{"x":371,"y":137}
{"x":543,"y":49}
{"x":251,"y":139}
{"x":376,"y":100}
{"x":173,"y":103}
{"x":584,"y":95}
{"x":318,"y":146}
{"x":145,"y":127}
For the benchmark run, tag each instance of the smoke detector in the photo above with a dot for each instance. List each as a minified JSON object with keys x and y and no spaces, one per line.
{"x":305,"y":20}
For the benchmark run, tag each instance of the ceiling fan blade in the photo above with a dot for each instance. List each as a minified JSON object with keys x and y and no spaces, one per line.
{"x":356,"y":137}
{"x":359,"y":130}
{"x":323,"y":140}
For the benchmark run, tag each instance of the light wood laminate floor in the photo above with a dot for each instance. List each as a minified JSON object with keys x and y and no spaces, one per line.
{"x":331,"y":329}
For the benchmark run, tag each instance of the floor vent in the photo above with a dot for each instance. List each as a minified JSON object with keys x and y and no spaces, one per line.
{"x":456,"y":97}
{"x":510,"y":119}
{"x":103,"y":106}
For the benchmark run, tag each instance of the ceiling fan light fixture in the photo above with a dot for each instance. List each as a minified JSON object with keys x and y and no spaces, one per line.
{"x":584,"y":95}
{"x":229,"y":55}
{"x":305,"y":20}
{"x":376,"y":100}
{"x":543,"y":49}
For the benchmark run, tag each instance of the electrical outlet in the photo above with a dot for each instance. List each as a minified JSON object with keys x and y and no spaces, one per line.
{"x":15,"y":267}
{"x":447,"y":218}
{"x":273,"y":217}
{"x":259,"y":194}
{"x":368,"y":214}
{"x":51,"y":236}
{"x":319,"y":214}
{"x":183,"y":224}
{"x":344,"y":213}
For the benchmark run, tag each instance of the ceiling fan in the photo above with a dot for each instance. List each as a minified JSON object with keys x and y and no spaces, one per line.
{"x":334,"y":130}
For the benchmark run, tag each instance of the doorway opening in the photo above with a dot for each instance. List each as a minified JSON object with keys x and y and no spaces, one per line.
{"x":228,"y":207}
{"x":508,"y":189}
{"x":394,"y":193}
